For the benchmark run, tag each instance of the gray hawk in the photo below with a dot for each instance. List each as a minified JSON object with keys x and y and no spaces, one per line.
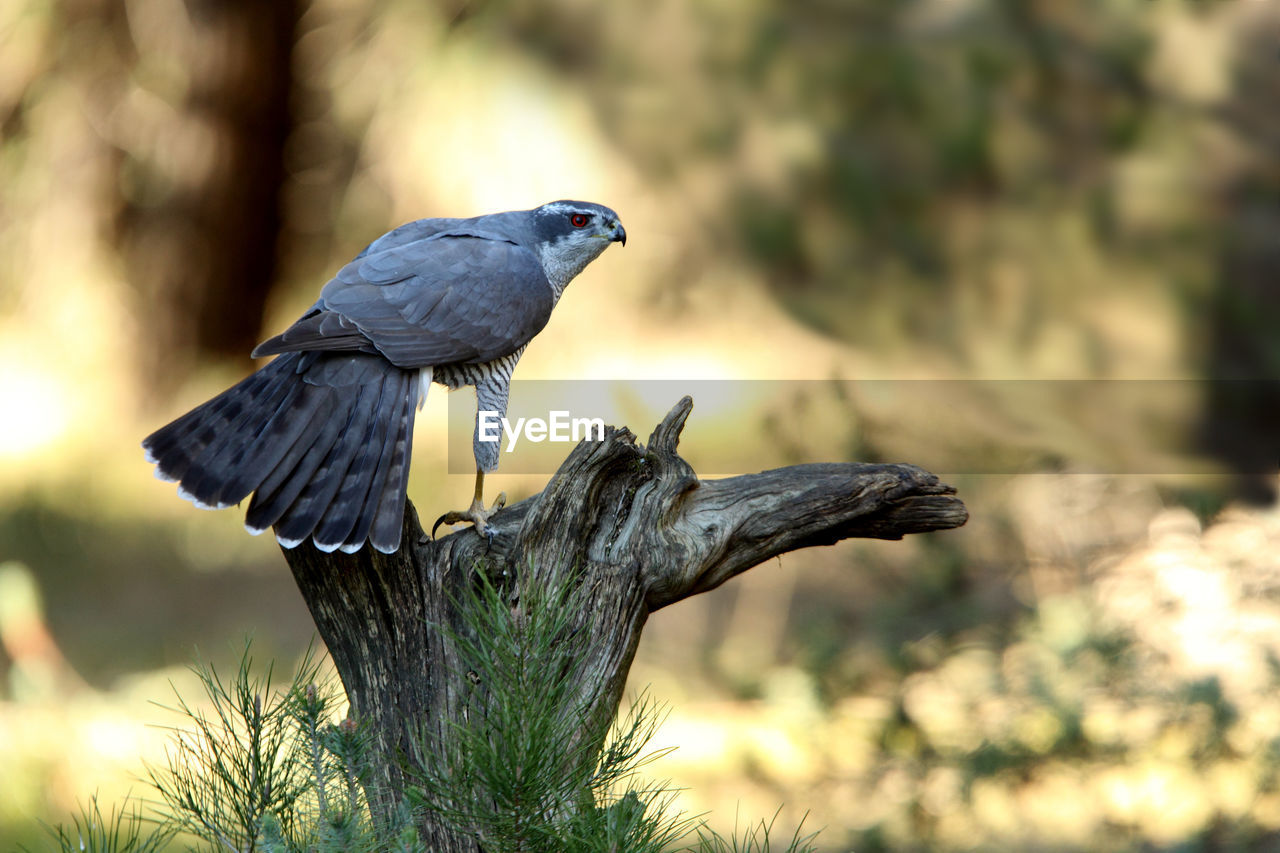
{"x":321,"y":435}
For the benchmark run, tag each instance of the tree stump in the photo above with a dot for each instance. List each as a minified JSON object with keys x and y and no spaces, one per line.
{"x":632,"y":524}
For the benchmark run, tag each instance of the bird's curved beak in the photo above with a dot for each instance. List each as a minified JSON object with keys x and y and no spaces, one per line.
{"x":619,"y":234}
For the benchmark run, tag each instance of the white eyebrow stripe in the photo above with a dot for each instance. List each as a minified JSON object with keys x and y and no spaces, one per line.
{"x":561,"y":207}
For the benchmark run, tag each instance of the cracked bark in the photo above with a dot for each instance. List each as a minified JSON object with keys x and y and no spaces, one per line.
{"x":636,"y":528}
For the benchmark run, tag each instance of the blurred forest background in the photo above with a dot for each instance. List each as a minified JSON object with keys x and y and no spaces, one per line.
{"x":814,"y":189}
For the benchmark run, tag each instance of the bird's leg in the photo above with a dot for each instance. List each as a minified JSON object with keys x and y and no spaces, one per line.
{"x":476,"y":513}
{"x":477,"y":502}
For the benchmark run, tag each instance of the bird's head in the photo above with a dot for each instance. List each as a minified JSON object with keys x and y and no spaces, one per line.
{"x":572,"y":234}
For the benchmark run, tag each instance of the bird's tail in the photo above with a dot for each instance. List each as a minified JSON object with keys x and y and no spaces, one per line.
{"x":322,"y":440}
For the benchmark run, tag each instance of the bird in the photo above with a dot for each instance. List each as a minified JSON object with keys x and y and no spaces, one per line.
{"x":321,"y":435}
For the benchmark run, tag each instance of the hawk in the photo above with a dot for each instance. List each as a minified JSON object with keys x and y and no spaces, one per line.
{"x":321,"y":435}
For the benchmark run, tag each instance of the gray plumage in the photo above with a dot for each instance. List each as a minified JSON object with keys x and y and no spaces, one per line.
{"x":321,"y":436}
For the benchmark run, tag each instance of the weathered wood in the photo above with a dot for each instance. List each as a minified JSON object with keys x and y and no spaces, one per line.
{"x":632,"y":524}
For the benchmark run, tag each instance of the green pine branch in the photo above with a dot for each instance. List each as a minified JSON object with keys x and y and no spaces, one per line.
{"x":262,"y":767}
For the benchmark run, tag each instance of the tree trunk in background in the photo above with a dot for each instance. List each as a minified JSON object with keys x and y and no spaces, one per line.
{"x":1241,"y":423}
{"x":632,"y":525}
{"x":201,"y":202}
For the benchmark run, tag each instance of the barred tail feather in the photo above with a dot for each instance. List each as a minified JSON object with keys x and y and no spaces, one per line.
{"x":388,"y":517}
{"x":320,"y":440}
{"x":270,"y":506}
{"x":245,"y":430}
{"x":174,"y":447}
{"x":336,"y":515}
{"x":383,"y":458}
{"x":304,"y":514}
{"x":278,"y":437}
{"x":344,"y":522}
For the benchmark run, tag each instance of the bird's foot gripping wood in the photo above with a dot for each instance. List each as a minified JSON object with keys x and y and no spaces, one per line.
{"x":476,"y":513}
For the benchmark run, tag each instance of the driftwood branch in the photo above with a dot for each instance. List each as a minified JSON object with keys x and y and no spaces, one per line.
{"x":632,"y":524}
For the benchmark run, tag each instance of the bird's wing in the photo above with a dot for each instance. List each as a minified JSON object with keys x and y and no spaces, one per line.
{"x":460,"y":296}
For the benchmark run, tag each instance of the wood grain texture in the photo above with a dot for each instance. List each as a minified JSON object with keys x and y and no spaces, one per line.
{"x":631,"y":524}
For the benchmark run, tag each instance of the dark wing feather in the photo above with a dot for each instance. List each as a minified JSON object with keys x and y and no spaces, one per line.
{"x":447,"y":299}
{"x":318,"y":329}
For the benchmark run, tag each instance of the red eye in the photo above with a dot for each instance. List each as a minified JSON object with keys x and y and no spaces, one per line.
{"x":579,"y":220}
